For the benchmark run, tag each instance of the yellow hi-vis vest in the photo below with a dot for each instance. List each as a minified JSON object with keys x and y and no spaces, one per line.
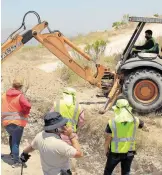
{"x":123,"y":136}
{"x":70,"y":112}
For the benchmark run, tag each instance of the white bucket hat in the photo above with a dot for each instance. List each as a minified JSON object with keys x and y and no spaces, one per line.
{"x":69,"y":95}
{"x":123,"y":111}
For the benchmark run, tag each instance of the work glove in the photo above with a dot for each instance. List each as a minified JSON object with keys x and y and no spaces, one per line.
{"x":24,"y":157}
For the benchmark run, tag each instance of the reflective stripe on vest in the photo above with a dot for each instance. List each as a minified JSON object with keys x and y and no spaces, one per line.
{"x":116,"y":140}
{"x":11,"y":116}
{"x":74,"y":118}
{"x":9,"y":113}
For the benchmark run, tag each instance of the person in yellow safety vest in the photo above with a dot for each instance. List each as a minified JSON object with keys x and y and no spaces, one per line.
{"x":120,"y":138}
{"x":69,"y":108}
{"x":15,"y":109}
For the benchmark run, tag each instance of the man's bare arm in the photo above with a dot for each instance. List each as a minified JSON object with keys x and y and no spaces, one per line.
{"x":107,"y":142}
{"x":28,"y":149}
{"x":76,"y":145}
{"x":74,"y":141}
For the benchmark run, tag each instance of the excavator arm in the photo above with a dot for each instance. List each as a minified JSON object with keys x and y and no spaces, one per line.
{"x":56,"y":43}
{"x":17,"y":41}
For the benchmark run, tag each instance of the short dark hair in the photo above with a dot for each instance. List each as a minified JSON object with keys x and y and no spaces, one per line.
{"x":149,"y":32}
{"x":17,"y":86}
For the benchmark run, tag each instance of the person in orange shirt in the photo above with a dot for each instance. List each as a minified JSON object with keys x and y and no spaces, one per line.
{"x":15,"y":111}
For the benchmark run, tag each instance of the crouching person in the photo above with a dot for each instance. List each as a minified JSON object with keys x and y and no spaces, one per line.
{"x":55,"y":154}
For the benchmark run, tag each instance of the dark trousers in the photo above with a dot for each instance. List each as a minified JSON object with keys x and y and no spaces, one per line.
{"x":66,"y":172}
{"x":114,"y":159}
{"x":15,"y":133}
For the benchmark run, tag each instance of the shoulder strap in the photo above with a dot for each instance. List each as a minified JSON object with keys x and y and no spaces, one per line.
{"x":75,"y":111}
{"x":134,"y":120}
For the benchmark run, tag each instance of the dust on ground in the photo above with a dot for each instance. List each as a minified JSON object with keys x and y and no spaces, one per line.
{"x":42,"y":88}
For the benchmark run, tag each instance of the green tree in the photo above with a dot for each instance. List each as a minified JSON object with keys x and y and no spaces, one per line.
{"x":123,"y":22}
{"x":156,"y":15}
{"x":116,"y":25}
{"x":96,"y":49}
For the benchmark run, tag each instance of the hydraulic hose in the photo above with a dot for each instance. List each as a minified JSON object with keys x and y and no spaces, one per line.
{"x":23,"y":22}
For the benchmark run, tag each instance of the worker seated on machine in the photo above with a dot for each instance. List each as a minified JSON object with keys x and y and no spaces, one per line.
{"x":150,"y":45}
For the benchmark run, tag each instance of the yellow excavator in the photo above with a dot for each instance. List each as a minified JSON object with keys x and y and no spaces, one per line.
{"x":135,"y":76}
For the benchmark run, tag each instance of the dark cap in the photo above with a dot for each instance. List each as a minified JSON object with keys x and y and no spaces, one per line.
{"x":54,"y":120}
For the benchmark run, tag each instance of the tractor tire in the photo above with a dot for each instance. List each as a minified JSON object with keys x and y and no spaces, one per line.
{"x":143,"y":89}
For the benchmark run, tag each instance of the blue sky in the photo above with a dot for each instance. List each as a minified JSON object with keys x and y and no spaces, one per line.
{"x":75,"y":16}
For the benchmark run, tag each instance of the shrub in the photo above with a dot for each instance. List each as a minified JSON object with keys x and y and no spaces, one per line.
{"x":96,"y":49}
{"x":116,"y":25}
{"x":124,"y":21}
{"x":156,"y":15}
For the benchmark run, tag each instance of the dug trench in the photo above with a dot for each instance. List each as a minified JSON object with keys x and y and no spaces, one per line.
{"x":43,"y":89}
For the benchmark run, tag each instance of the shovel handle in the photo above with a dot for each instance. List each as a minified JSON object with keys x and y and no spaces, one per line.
{"x":22,"y":166}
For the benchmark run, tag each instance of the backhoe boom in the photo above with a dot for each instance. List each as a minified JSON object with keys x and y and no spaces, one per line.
{"x":15,"y":43}
{"x":56,"y":43}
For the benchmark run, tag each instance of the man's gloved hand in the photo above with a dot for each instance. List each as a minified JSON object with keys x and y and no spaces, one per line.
{"x":24,"y":157}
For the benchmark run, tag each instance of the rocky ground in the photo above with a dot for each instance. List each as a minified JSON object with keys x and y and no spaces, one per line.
{"x":42,"y":87}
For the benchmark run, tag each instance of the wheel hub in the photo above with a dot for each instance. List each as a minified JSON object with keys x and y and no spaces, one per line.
{"x":146,"y":91}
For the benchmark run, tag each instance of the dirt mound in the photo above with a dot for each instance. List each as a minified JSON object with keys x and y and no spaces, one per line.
{"x":43,"y":88}
{"x":149,"y":147}
{"x":147,"y":160}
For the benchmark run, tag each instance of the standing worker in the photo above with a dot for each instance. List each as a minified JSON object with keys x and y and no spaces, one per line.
{"x":14,"y":113}
{"x":69,"y":108}
{"x":120,"y":138}
{"x":54,"y":152}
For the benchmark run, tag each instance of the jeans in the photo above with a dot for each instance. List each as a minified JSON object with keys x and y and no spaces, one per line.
{"x":15,"y":133}
{"x":114,"y":159}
